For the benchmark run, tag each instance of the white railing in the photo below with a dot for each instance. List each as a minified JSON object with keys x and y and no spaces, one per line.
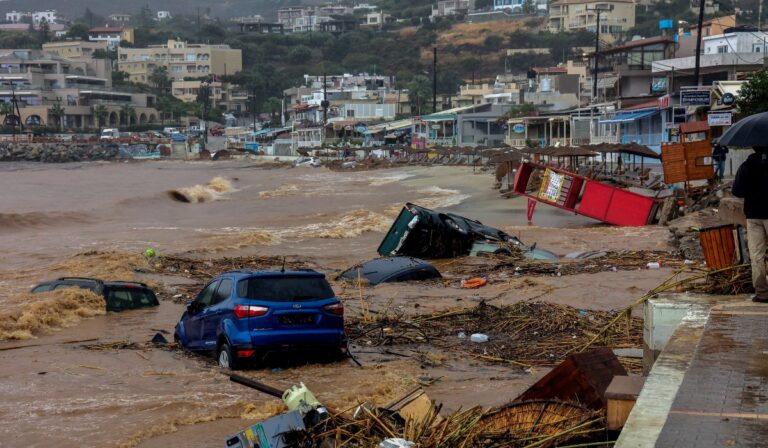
{"x":516,"y":142}
{"x":597,"y":139}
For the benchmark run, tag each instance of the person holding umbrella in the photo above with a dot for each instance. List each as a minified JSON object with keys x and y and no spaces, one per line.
{"x":751,"y":183}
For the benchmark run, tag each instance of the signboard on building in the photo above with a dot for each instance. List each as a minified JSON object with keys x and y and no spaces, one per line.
{"x":659,"y":84}
{"x":518,"y":128}
{"x":720,"y":118}
{"x":695,"y":97}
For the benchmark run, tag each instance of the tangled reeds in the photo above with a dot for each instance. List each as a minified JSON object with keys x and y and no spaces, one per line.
{"x":540,"y":423}
{"x":523,"y":334}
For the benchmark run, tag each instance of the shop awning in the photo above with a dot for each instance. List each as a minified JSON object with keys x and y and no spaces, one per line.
{"x":625,"y":117}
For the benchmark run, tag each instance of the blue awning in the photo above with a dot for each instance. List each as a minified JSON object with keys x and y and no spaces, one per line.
{"x":624,"y":117}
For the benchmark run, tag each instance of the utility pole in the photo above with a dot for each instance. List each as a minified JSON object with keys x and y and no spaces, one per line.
{"x":434,"y":79}
{"x":253,"y":105}
{"x":597,"y":55}
{"x":325,"y":102}
{"x":699,"y":32}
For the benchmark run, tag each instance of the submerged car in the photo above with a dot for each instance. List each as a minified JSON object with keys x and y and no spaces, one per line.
{"x":119,"y":296}
{"x":308,"y":161}
{"x":248,"y":315}
{"x":424,"y":233}
{"x":391,"y":269}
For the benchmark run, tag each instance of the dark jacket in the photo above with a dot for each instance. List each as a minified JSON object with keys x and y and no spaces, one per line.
{"x":751,"y":183}
{"x":719,"y":153}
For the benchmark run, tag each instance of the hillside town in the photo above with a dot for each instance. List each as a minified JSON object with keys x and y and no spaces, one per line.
{"x":392,"y":224}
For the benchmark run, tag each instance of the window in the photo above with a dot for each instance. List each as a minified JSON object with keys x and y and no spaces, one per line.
{"x":351,"y":113}
{"x":722,"y":49}
{"x":41,"y":288}
{"x":758,"y":49}
{"x":284,"y":289}
{"x":223,"y":292}
{"x":119,"y":299}
{"x":206,"y":295}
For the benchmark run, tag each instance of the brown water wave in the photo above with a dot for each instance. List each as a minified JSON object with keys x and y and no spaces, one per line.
{"x":211,"y":191}
{"x":50,"y":310}
{"x":35,"y":220}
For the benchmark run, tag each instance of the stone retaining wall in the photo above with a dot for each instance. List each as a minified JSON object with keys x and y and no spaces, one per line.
{"x":55,"y":152}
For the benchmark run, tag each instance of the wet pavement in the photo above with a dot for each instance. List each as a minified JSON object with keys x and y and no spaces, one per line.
{"x":716,"y":368}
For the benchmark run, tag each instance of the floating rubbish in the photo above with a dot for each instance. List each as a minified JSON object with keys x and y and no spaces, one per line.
{"x":396,"y":443}
{"x":479,"y":338}
{"x":462,"y":335}
{"x":149,"y":253}
{"x":159,"y":339}
{"x":582,"y":313}
{"x":653,"y":265}
{"x":474,"y":283}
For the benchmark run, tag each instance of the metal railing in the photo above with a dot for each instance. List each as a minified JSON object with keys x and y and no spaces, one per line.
{"x":597,"y":139}
{"x":645,"y":139}
{"x":516,"y":142}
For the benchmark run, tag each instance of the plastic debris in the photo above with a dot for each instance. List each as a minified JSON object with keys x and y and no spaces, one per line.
{"x":397,"y":443}
{"x":653,"y":265}
{"x":479,"y":338}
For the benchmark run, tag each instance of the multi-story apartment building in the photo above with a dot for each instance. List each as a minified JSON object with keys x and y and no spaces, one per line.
{"x":182,"y":60}
{"x":40,"y":79}
{"x":111,"y":35}
{"x":82,"y":52}
{"x":616,"y":16}
{"x":225,"y":97}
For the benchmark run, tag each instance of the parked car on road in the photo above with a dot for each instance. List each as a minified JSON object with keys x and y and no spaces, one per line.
{"x":109,"y":134}
{"x":119,"y":296}
{"x":249,"y":315}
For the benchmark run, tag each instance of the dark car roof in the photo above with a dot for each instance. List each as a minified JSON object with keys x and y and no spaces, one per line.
{"x":272,"y":274}
{"x":380,"y":270}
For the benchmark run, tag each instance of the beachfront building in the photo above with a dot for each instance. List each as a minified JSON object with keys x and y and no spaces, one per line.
{"x":301,"y":19}
{"x":225,"y":97}
{"x":616,"y":16}
{"x":41,"y":79}
{"x":181,"y":59}
{"x":625,"y":71}
{"x":473,"y":125}
{"x":111,"y":35}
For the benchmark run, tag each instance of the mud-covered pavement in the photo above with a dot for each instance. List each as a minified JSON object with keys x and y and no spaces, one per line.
{"x":97,"y":219}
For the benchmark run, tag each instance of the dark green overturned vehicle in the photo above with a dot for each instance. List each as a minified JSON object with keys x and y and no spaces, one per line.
{"x":424,"y":233}
{"x":118,"y":296}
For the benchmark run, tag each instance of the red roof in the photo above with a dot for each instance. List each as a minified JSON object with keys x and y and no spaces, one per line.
{"x":646,"y":105}
{"x":693,"y":127}
{"x":541,"y":70}
{"x":106,"y":29}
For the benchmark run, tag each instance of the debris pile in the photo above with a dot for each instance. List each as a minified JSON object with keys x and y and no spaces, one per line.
{"x":523,"y":334}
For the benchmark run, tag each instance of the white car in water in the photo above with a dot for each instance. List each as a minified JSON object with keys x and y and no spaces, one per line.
{"x":308,"y":161}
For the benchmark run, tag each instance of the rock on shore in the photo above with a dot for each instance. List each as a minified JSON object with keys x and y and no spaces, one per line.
{"x":55,"y":152}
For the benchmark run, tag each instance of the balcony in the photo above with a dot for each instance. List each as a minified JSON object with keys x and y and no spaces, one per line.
{"x":516,"y":142}
{"x":597,"y":139}
{"x":644,"y":139}
{"x":720,"y":61}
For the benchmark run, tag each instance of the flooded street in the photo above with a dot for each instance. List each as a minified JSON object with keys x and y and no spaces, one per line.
{"x":66,"y":383}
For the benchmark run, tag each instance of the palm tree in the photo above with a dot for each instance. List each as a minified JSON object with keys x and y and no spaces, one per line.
{"x":56,"y":112}
{"x":6,"y":109}
{"x":126,"y":112}
{"x":164,"y":105}
{"x":100,"y":111}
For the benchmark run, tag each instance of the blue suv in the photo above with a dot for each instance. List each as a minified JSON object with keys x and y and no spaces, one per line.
{"x":242,"y":315}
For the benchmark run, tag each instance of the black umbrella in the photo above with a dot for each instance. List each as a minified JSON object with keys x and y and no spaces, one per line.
{"x":749,"y":132}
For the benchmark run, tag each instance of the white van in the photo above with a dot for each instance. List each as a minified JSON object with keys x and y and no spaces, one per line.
{"x":169,"y":131}
{"x":109,"y":134}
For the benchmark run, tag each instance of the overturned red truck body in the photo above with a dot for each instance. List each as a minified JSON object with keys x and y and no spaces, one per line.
{"x":584,"y":196}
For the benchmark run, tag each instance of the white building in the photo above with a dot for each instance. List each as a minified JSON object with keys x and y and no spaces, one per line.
{"x":512,"y":5}
{"x":736,"y":40}
{"x":50,"y":16}
{"x":163,"y":15}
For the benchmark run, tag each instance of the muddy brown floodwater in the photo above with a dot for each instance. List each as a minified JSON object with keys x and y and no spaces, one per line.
{"x":98,"y":218}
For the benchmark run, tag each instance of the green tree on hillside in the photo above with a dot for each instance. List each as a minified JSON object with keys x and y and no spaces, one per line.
{"x":753,"y":97}
{"x":6,"y":109}
{"x":159,"y":79}
{"x":78,"y":30}
{"x":419,"y":93}
{"x":119,"y":78}
{"x":274,"y":106}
